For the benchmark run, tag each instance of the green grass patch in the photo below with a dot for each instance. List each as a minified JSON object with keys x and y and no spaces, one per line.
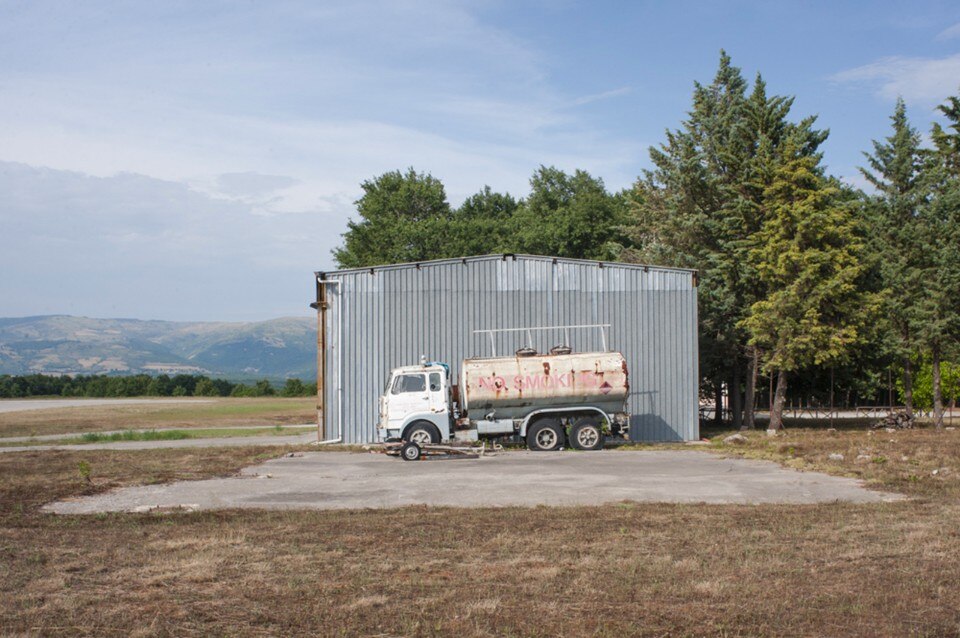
{"x":234,"y":408}
{"x":133,"y":435}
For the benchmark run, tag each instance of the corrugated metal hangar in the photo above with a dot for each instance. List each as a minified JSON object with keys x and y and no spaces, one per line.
{"x":371,"y":320}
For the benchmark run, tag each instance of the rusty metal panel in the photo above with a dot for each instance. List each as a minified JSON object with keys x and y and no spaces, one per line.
{"x":512,"y":385}
{"x":385,"y":317}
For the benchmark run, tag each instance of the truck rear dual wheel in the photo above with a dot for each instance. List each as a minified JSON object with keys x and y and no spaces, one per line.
{"x":587,"y":434}
{"x":546,"y":435}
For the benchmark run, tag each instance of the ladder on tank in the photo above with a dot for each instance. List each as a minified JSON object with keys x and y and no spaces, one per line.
{"x":492,"y":332}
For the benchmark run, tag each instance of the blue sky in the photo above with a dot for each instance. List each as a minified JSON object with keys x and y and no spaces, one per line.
{"x":199,"y":160}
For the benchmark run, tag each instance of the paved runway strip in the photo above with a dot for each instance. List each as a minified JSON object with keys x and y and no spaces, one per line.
{"x":22,"y":405}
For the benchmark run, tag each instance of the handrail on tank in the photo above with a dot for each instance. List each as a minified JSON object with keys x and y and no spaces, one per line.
{"x":566,"y":333}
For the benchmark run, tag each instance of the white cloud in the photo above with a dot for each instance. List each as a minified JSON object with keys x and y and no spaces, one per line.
{"x":605,"y":95}
{"x":221,"y":148}
{"x":949,"y":33}
{"x":252,"y":184}
{"x":145,"y":247}
{"x":925,"y":81}
{"x":63,"y":126}
{"x":382,"y":86}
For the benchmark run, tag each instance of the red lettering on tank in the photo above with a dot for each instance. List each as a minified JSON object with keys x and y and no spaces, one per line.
{"x":492,"y":383}
{"x":588,"y":379}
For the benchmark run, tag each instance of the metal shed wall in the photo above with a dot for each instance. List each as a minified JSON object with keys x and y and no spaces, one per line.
{"x":385,"y":317}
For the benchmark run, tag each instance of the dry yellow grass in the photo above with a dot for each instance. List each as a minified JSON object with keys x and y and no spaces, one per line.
{"x":923,"y":462}
{"x":653,"y":570}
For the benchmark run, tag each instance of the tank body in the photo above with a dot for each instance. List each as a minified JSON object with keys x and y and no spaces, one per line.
{"x":515,"y":386}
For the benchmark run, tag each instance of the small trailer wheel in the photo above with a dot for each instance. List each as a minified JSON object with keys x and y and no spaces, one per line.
{"x":410,"y":452}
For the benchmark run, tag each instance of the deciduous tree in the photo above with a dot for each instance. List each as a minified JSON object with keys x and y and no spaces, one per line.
{"x":568,"y":216}
{"x":401,"y":216}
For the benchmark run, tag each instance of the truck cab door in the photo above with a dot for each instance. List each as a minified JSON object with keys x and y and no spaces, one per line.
{"x":408,"y":395}
{"x":439,"y":392}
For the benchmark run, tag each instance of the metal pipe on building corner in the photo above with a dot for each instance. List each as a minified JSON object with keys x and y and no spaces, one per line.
{"x":321,"y":306}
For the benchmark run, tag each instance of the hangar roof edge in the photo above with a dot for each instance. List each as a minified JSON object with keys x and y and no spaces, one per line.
{"x":498,"y":257}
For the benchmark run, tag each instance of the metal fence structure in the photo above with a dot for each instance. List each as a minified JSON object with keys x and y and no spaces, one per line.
{"x":859,"y":412}
{"x":371,"y":320}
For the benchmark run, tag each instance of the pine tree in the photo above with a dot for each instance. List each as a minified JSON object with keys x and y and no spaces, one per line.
{"x":947,"y":141}
{"x":807,"y":255}
{"x":939,"y":313}
{"x":896,"y":171}
{"x":940,"y":309}
{"x":762,"y":130}
{"x":680,"y":215}
{"x":702,"y":203}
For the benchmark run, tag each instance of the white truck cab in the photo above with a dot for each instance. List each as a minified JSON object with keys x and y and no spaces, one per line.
{"x":416,"y":404}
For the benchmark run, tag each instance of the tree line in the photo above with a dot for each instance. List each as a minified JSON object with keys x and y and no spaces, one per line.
{"x":829,"y":293}
{"x":141,"y":385}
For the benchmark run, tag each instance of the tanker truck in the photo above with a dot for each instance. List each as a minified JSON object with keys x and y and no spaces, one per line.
{"x":547,"y":400}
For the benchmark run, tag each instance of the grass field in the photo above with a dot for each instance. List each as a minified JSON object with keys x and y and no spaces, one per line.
{"x":224,"y":412}
{"x":625,"y":569}
{"x":165,"y":435}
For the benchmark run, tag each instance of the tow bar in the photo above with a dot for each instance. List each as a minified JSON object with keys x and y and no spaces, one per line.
{"x":412,"y":451}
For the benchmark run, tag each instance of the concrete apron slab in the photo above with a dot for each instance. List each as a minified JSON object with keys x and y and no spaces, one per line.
{"x":344,"y":480}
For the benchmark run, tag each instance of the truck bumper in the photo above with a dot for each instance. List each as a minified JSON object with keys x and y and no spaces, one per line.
{"x":383,"y":434}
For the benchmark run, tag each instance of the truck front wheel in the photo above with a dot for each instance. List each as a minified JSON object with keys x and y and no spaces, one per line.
{"x":545,"y":435}
{"x":422,"y":433}
{"x":587,"y":434}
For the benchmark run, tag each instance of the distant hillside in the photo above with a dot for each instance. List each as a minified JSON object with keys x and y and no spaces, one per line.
{"x":61,"y":344}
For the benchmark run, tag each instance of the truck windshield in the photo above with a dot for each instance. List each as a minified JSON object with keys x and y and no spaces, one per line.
{"x":409,"y":383}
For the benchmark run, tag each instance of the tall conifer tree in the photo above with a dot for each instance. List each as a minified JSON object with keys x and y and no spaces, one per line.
{"x":896,"y":171}
{"x":806,"y":253}
{"x":939,"y":315}
{"x":703,"y":201}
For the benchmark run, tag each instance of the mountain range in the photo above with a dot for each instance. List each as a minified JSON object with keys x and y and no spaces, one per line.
{"x":62,"y":344}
